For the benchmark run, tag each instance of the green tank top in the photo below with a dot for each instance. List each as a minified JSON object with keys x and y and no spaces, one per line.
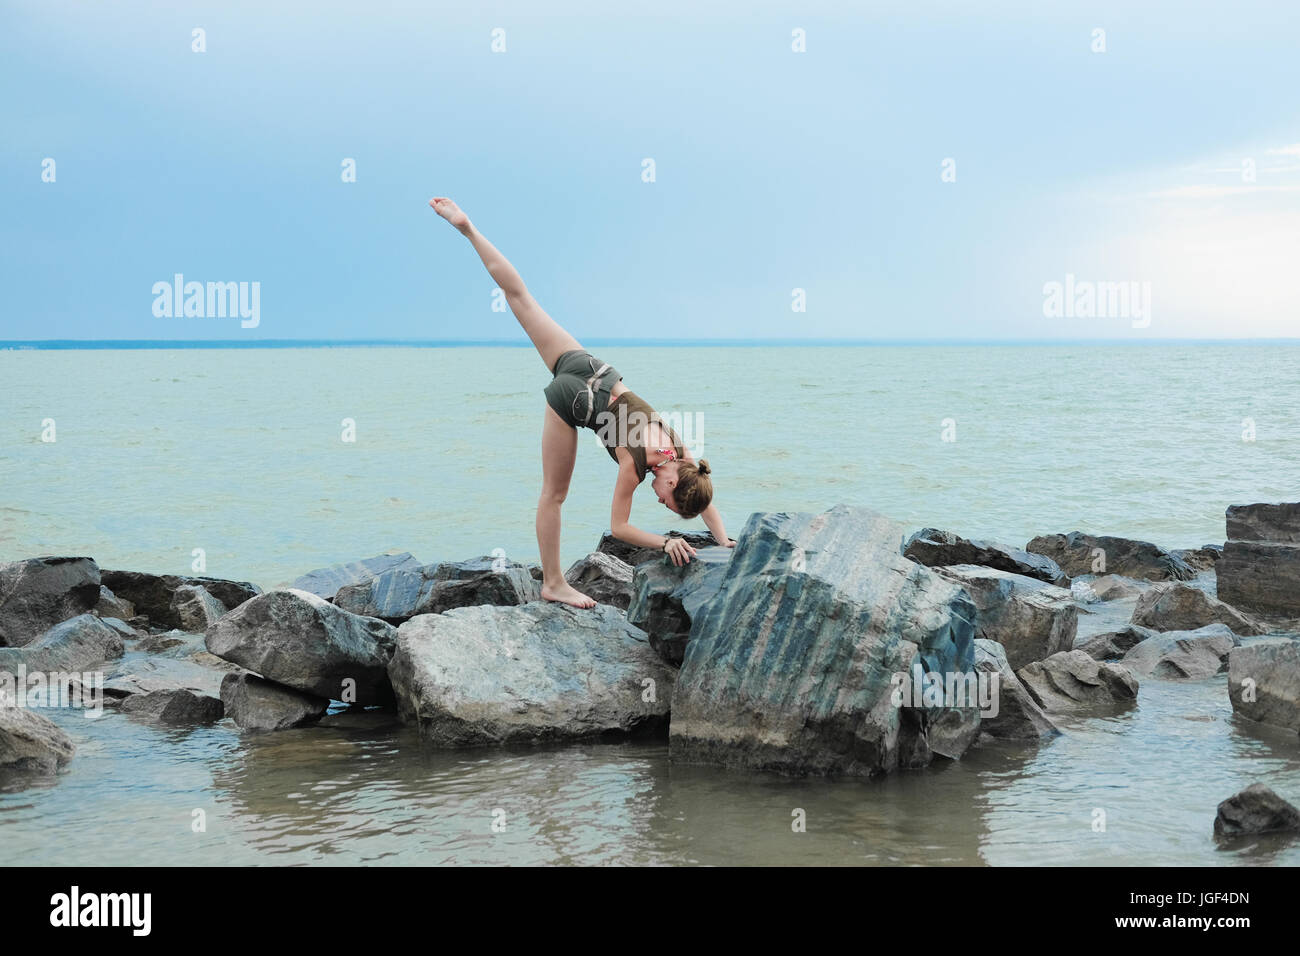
{"x":623,"y":425}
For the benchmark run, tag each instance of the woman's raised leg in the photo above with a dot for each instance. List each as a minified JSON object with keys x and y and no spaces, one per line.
{"x":559,"y":451}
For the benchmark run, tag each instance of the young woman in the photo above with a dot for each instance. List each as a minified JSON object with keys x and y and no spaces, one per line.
{"x":588,"y":393}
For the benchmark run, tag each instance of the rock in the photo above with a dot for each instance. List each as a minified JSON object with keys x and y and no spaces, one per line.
{"x":935,"y":548}
{"x":195,"y":608}
{"x":538,"y":672}
{"x":177,"y":707}
{"x":152,"y":594}
{"x":325,"y":582}
{"x":38,"y":593}
{"x":1279,"y":523}
{"x":261,"y":705}
{"x":1257,"y":809}
{"x":1018,"y":715}
{"x":1181,"y":607}
{"x":634,"y":554}
{"x":666,"y":599}
{"x":1072,"y":681}
{"x":1029,"y":618}
{"x":1264,"y":681}
{"x":1200,"y":559}
{"x":397,"y":596}
{"x":1115,"y":587}
{"x":110,"y":605}
{"x":123,"y":629}
{"x":302,"y":641}
{"x":149,"y":675}
{"x":1182,"y":655}
{"x":1261,"y":576}
{"x":72,"y":645}
{"x":32,"y":742}
{"x":1079,"y":553}
{"x":158,"y":644}
{"x":1113,"y":645}
{"x":792,"y":667}
{"x":603,"y":578}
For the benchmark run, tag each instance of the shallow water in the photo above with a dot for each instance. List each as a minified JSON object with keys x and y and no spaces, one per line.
{"x":239,"y":453}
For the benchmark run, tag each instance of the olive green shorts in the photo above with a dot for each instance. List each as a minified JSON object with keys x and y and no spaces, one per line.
{"x":575,"y":393}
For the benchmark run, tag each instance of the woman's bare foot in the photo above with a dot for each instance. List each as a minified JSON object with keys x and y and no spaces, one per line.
{"x":448,"y":210}
{"x":566,"y":593}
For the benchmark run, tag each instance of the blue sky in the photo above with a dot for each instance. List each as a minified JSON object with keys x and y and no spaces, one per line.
{"x":774,"y":170}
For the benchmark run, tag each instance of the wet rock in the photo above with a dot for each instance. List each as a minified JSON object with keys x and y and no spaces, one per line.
{"x":110,"y":605}
{"x":666,"y":598}
{"x":1071,"y":681}
{"x":1115,"y":587}
{"x":1182,"y":655}
{"x":1113,"y":645}
{"x":935,"y":548}
{"x":1279,"y":523}
{"x":302,"y":641}
{"x":149,"y":675}
{"x":1257,"y":809}
{"x":152,"y":594}
{"x":326,"y":582}
{"x":1181,"y":607}
{"x":262,"y":705}
{"x":1200,"y":559}
{"x":603,"y":578}
{"x":1261,"y":576}
{"x":1078,"y":553}
{"x":397,"y":596}
{"x":32,"y":742}
{"x":635,"y":554}
{"x":1029,"y":618}
{"x":539,"y":672}
{"x":37,"y":593}
{"x":1264,"y":681}
{"x":195,"y":608}
{"x":72,"y":645}
{"x":175,"y":707}
{"x":792,"y":666}
{"x":1018,"y":715}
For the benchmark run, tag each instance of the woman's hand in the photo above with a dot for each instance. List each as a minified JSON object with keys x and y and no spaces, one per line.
{"x":679,"y":551}
{"x":448,"y":210}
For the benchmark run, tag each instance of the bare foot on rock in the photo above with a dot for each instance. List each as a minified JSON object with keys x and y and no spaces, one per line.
{"x":567,"y":594}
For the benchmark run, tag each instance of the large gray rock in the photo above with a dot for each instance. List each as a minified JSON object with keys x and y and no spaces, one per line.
{"x":666,"y":598}
{"x":1079,"y":553}
{"x":37,"y":593}
{"x":152,"y":594}
{"x":72,"y":645}
{"x":151,"y":675}
{"x":1199,"y":559}
{"x":1113,"y":645}
{"x":195,"y":608}
{"x":1018,"y":715}
{"x":1071,"y":681}
{"x":1029,"y":618}
{"x":302,"y":641}
{"x":1279,"y":523}
{"x":110,"y":605}
{"x":634,"y":554}
{"x":397,"y":596}
{"x":175,"y":707}
{"x":1181,"y":607}
{"x":262,"y":705}
{"x":935,"y":548}
{"x":1257,"y":809}
{"x":603,"y":578}
{"x":32,"y":742}
{"x":325,"y":582}
{"x":1182,"y":655}
{"x":1261,"y":576}
{"x":539,"y":672}
{"x":792,"y":667}
{"x":1264,"y":681}
{"x":1116,"y":587}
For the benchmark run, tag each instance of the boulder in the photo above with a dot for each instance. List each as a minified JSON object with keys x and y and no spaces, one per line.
{"x":302,"y":641}
{"x":1261,"y":576}
{"x":1279,"y":523}
{"x":666,"y":598}
{"x":1181,"y":607}
{"x":261,"y":705}
{"x":30,"y":741}
{"x":1018,"y":715}
{"x":110,"y":605}
{"x":195,"y":608}
{"x":1029,"y":618}
{"x":176,"y":707}
{"x":635,"y":554}
{"x":1071,"y":681}
{"x":1079,"y":553}
{"x":1116,"y":587}
{"x":150,"y":675}
{"x":72,"y":645}
{"x":1257,"y":809}
{"x":326,"y":582}
{"x":793,"y":666}
{"x":1113,"y":645}
{"x":123,"y":629}
{"x":397,"y":596}
{"x":37,"y":593}
{"x":1264,"y":681}
{"x":538,"y":672}
{"x":935,"y":548}
{"x":603,"y":578}
{"x":152,"y":594}
{"x":1182,"y":655}
{"x":1200,"y":559}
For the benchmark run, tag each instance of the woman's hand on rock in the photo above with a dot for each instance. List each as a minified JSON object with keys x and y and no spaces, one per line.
{"x":679,"y":551}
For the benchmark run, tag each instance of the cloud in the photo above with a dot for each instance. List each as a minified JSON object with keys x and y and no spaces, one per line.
{"x":1209,"y":191}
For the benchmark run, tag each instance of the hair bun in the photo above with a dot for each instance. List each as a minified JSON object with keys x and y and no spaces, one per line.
{"x":703,"y":466}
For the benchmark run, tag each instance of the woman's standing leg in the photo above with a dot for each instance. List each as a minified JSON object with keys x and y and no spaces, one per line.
{"x":559,"y":450}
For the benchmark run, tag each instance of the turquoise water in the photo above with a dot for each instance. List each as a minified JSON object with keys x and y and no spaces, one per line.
{"x":239,"y":453}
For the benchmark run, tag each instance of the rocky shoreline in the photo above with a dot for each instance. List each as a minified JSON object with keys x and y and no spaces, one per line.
{"x":838,"y":643}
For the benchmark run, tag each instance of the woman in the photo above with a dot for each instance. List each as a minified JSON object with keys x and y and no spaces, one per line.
{"x":586,"y":392}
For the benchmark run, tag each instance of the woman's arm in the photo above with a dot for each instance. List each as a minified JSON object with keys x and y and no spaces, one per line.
{"x":621,"y":510}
